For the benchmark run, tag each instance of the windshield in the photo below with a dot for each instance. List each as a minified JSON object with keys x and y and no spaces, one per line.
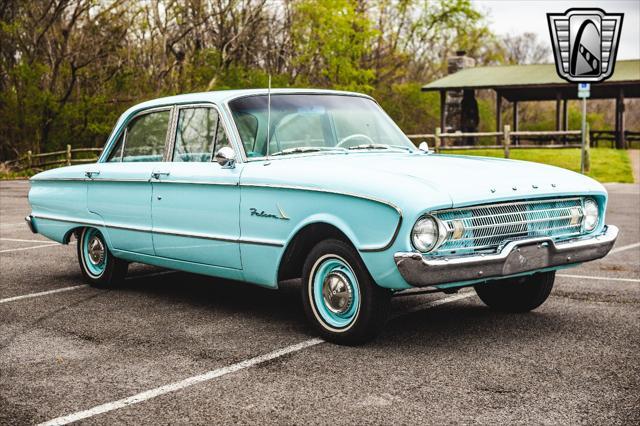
{"x":302,"y":123}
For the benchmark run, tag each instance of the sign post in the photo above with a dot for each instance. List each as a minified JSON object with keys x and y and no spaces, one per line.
{"x":584,"y":93}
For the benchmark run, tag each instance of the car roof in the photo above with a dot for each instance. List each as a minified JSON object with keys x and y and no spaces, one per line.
{"x":222,"y":96}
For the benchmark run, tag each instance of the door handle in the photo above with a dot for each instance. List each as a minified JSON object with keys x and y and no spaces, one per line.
{"x":91,"y":173}
{"x":156,"y":175}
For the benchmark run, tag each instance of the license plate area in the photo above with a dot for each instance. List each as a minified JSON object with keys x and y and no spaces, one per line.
{"x":527,"y":258}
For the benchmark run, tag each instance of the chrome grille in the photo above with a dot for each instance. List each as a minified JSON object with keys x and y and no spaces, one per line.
{"x":485,"y":228}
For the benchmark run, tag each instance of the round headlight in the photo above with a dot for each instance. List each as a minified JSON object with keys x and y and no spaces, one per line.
{"x":591,"y":213}
{"x":427,"y":234}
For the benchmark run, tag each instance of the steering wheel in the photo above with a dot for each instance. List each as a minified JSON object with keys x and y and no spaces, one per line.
{"x":355,"y":136}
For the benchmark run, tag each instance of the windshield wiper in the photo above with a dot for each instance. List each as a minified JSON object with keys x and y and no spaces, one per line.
{"x":304,"y":149}
{"x":378,"y":146}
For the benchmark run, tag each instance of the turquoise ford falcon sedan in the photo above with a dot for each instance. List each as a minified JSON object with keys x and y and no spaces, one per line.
{"x":265,"y":186}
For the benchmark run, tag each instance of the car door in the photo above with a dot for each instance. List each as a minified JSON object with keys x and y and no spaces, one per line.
{"x":195,"y":200}
{"x":119,"y":189}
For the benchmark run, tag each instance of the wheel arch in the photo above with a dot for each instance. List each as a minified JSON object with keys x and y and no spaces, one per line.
{"x":77,"y":230}
{"x":303,"y":240}
{"x":73,"y":231}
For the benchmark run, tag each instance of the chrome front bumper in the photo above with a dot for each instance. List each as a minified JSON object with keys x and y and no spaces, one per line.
{"x":516,"y":257}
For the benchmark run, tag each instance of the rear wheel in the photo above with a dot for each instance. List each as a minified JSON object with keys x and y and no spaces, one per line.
{"x":339,"y":296}
{"x":98,"y":266}
{"x":520,"y":294}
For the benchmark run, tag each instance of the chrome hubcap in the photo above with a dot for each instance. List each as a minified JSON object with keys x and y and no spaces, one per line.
{"x":96,"y":250}
{"x":337,"y":292}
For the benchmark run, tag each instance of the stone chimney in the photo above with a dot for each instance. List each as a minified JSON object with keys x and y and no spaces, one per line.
{"x":455,"y":119}
{"x":459,"y":62}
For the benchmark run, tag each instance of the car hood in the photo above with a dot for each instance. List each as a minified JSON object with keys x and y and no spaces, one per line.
{"x":439,"y":180}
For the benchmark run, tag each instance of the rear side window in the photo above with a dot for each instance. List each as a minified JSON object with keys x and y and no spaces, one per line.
{"x":145,"y":137}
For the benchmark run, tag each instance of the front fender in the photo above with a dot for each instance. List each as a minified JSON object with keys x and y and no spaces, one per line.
{"x":276,"y":214}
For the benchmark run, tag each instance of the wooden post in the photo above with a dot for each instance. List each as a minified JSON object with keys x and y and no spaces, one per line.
{"x":515,"y":121}
{"x":558,"y":114}
{"x":68,"y":155}
{"x":619,"y":136}
{"x":558,"y":111}
{"x":498,"y":115}
{"x":443,"y":110}
{"x":587,"y":151}
{"x":506,"y":141}
{"x":565,"y":118}
{"x":438,"y":141}
{"x":29,"y":159}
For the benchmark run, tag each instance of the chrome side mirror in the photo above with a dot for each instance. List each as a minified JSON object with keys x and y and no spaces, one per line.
{"x":226,"y":157}
{"x":424,"y":146}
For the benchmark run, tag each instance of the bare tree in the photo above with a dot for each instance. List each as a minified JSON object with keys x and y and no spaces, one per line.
{"x":525,"y":49}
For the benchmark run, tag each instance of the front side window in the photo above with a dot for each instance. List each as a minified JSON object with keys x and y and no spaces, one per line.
{"x":146,"y":136}
{"x":300,"y":123}
{"x":195,"y":134}
{"x":199,"y":134}
{"x":221,"y":136}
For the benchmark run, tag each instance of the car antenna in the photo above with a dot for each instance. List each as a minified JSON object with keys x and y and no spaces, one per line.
{"x":268,"y":114}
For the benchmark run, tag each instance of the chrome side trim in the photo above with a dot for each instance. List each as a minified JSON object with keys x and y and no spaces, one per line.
{"x":258,"y":242}
{"x":82,"y":179}
{"x":261,"y":242}
{"x":119,"y":180}
{"x":193,"y":235}
{"x":515,"y":258}
{"x":184,"y":182}
{"x":347,"y":194}
{"x":129,"y":227}
{"x":196,"y":182}
{"x":68,"y":220}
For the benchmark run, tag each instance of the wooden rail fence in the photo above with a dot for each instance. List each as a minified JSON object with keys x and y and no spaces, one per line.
{"x":55,"y":158}
{"x":505,"y":137}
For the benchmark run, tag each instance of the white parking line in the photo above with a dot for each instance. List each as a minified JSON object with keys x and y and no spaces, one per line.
{"x":623,"y":248}
{"x":588,"y":277}
{"x":172,"y":387}
{"x":10,"y":225}
{"x":213,"y":374}
{"x":42,"y":293}
{"x":434,"y":303}
{"x":29,"y":248}
{"x":19,"y":240}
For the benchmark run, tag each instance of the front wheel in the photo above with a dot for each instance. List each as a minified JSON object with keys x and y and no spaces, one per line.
{"x":99,"y":267}
{"x":339,"y":296}
{"x":520,"y":294}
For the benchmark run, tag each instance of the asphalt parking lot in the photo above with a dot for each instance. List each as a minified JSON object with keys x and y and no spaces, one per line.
{"x":171,"y":347}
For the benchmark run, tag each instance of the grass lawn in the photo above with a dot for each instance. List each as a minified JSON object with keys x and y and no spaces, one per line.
{"x":607,"y":165}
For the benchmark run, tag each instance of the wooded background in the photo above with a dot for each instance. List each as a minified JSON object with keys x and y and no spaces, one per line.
{"x":69,"y":68}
